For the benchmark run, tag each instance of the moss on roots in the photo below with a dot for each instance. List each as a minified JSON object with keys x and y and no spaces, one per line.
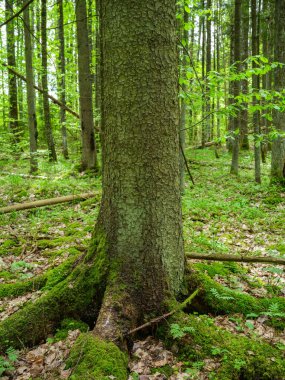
{"x":77,"y":295}
{"x":239,"y":357}
{"x":219,"y":299}
{"x":44,"y":281}
{"x":93,"y":358}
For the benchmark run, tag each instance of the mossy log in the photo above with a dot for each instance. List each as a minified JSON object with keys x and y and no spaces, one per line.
{"x":239,"y":357}
{"x":227,"y":300}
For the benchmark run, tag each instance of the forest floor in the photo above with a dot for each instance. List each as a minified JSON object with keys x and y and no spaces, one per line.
{"x":222,"y":214}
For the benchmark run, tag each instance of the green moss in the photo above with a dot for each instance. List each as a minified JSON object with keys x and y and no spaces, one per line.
{"x":75,"y":297}
{"x":44,"y":243}
{"x":239,"y":356}
{"x":47,"y":280}
{"x":4,"y":274}
{"x":216,"y":298}
{"x":97,"y":359}
{"x":10,"y":246}
{"x":220,"y":269}
{"x":69,"y":324}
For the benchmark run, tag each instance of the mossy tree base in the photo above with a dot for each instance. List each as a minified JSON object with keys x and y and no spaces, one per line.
{"x":93,"y":285}
{"x":92,"y":358}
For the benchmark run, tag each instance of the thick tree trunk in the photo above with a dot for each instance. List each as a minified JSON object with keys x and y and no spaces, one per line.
{"x":140,"y":212}
{"x":31,"y":100}
{"x":278,"y":146}
{"x":89,"y":155}
{"x":47,"y":119}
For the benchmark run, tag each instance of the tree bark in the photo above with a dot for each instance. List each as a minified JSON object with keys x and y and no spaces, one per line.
{"x":244,"y":142}
{"x":89,"y":154}
{"x":12,"y":81}
{"x":44,"y":74}
{"x":31,"y":101}
{"x":255,"y":87}
{"x":278,"y":146}
{"x":140,"y":212}
{"x":236,"y":88}
{"x":62,"y":87}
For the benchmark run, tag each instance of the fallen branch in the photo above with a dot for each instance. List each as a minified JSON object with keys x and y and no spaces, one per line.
{"x":164,"y":316}
{"x":205,"y":163}
{"x":25,"y":175}
{"x":52,"y":98}
{"x":237,"y":258}
{"x":206,"y":145}
{"x":46,"y":202}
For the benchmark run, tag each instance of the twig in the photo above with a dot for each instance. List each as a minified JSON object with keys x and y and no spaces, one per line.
{"x":164,"y":316}
{"x":17,"y":13}
{"x":186,"y":163}
{"x":38,"y":88}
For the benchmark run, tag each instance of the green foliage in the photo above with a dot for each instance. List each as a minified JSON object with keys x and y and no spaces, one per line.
{"x":238,"y":356}
{"x":7,"y":361}
{"x":178,"y":332}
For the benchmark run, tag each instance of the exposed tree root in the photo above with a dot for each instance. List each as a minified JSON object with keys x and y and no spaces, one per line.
{"x":219,"y":299}
{"x":100,"y":353}
{"x":239,"y":357}
{"x":77,"y":296}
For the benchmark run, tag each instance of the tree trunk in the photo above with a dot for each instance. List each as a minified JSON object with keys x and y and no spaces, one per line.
{"x":255,"y":87}
{"x":236,"y":88}
{"x":47,"y":119}
{"x":244,"y":142}
{"x":140,"y":212}
{"x":278,"y":146}
{"x":183,"y":108}
{"x":61,"y":65}
{"x":32,"y":120}
{"x":208,"y":69}
{"x":12,"y":81}
{"x":89,"y":155}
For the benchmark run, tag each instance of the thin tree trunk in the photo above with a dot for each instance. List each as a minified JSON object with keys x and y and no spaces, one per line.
{"x":208,"y":69}
{"x":89,"y":154}
{"x":31,"y":100}
{"x":182,"y":121}
{"x":244,"y":142}
{"x":255,"y":86}
{"x":278,"y":146}
{"x":62,"y":87}
{"x":44,"y":74}
{"x":12,"y":81}
{"x":236,"y":89}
